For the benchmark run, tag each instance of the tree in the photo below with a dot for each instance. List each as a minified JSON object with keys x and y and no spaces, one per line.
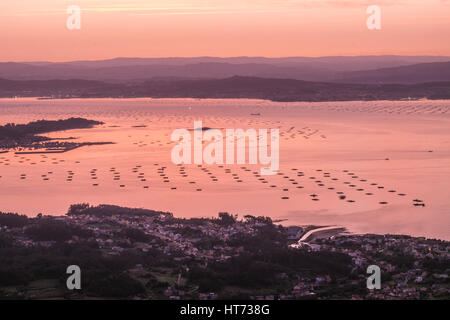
{"x":13,"y":220}
{"x":226,"y":219}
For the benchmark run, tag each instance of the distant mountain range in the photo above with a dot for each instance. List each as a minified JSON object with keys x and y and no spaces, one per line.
{"x":359,"y":70}
{"x":280,"y":79}
{"x":233,"y":87}
{"x":416,"y":73}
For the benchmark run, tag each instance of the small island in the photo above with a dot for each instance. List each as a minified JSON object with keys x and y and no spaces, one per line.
{"x":27,"y":138}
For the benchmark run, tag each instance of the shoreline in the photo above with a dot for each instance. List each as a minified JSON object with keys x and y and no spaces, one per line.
{"x":322,"y":232}
{"x":41,"y":98}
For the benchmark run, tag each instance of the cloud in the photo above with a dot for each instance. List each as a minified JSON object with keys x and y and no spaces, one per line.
{"x":189,"y":7}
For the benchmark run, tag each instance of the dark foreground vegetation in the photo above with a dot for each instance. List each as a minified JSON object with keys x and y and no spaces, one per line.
{"x":144,"y":254}
{"x":110,"y":210}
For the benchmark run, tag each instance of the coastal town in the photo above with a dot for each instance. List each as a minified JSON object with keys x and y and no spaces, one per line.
{"x":145,"y":254}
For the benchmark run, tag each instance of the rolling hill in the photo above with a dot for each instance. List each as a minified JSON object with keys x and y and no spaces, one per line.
{"x":233,"y":87}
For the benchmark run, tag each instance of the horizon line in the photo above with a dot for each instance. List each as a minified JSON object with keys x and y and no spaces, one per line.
{"x":228,"y":57}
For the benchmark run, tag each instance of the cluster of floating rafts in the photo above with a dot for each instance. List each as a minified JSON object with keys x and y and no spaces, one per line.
{"x":418,"y":203}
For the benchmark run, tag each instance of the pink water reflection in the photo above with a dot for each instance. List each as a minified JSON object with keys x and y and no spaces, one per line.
{"x":325,"y":148}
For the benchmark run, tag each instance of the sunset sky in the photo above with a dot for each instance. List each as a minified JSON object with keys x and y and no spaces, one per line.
{"x":32,"y":30}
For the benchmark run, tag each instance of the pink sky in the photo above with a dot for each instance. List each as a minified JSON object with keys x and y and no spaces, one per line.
{"x":36,"y":30}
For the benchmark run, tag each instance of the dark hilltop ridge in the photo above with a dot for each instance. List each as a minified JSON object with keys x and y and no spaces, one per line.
{"x":234,"y":87}
{"x":417,"y":73}
{"x":294,"y":90}
{"x":27,"y":136}
{"x":104,"y":210}
{"x":144,"y":254}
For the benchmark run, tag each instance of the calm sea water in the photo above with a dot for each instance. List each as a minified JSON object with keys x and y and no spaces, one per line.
{"x":380,"y":155}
